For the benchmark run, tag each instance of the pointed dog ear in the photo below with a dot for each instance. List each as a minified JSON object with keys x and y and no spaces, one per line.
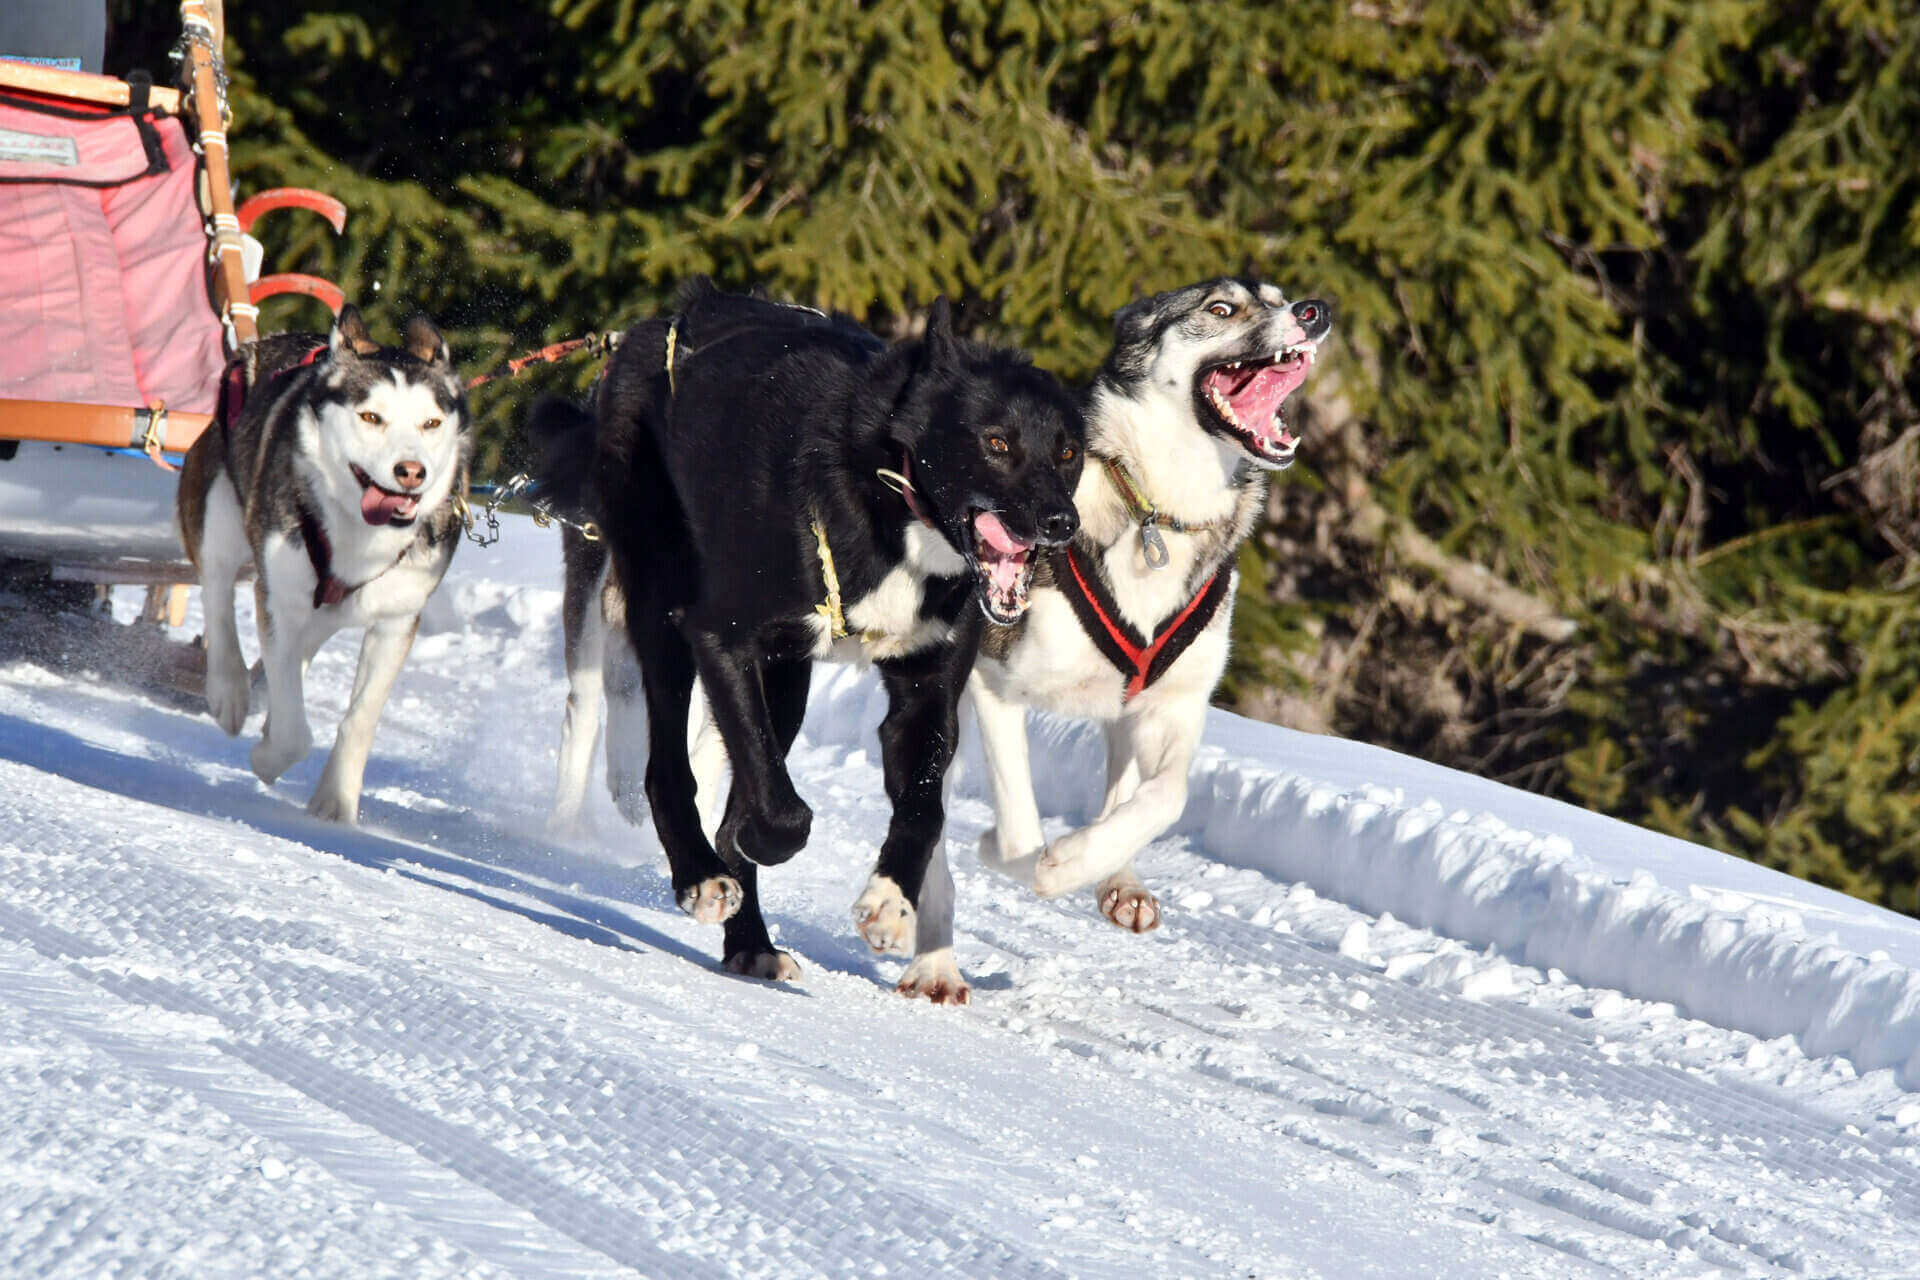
{"x":942,"y":347}
{"x":350,"y":333}
{"x":1134,"y":322}
{"x":424,"y":342}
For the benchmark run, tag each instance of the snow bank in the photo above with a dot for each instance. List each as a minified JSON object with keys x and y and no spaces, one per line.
{"x":1729,"y":957}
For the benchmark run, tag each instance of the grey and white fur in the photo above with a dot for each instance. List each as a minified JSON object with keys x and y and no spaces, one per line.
{"x":333,"y":486}
{"x":1162,"y":407}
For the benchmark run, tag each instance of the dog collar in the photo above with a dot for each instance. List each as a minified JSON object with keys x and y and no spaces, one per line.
{"x":1149,"y":517}
{"x":901,"y":482}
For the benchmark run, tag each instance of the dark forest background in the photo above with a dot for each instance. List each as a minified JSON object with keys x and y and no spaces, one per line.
{"x":1608,"y":488}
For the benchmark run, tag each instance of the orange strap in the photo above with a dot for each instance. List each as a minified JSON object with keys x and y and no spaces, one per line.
{"x":153,"y":430}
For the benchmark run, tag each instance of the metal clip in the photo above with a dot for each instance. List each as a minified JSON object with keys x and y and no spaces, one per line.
{"x":1152,"y":545}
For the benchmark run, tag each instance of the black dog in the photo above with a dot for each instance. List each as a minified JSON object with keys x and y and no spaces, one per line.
{"x":776,"y":486}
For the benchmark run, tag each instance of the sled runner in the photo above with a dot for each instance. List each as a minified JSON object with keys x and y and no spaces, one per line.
{"x":123,"y":287}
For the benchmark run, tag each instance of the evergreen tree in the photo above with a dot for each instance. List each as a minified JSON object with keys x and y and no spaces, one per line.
{"x":1608,"y":482}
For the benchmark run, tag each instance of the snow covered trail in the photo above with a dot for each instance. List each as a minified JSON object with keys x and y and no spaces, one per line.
{"x":237,"y":1041}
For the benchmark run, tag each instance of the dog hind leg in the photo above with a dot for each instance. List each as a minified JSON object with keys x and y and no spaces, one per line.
{"x":284,"y":648}
{"x":584,"y":624}
{"x":222,"y":554}
{"x":749,"y":947}
{"x":383,"y":650}
{"x":1016,"y":833}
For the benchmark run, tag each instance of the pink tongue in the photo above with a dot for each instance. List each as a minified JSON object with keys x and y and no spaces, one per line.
{"x":995,"y":534}
{"x":1005,"y":568}
{"x":377,"y":506}
{"x":1258,"y":397}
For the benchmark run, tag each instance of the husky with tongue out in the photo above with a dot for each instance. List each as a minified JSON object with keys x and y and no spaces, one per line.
{"x":328,"y":474}
{"x":774,"y":485}
{"x":1128,"y":624}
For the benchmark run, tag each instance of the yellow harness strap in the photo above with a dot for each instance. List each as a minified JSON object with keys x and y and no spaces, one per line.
{"x":836,"y":620}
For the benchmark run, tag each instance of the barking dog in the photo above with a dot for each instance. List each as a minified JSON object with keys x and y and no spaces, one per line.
{"x":774,"y":488}
{"x":327,"y":472}
{"x":1129,"y":623}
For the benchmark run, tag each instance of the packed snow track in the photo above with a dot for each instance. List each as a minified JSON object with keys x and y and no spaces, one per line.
{"x":237,"y":1041}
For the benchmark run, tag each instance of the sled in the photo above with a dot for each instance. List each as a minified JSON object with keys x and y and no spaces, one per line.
{"x":124,"y":287}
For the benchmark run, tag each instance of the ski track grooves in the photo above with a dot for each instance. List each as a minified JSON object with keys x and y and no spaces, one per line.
{"x":475,"y":1058}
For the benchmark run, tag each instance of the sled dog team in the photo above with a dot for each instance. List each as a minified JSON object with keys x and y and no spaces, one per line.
{"x":776,"y":486}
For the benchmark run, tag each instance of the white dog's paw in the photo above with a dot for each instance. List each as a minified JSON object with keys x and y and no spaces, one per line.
{"x":993,"y":854}
{"x":274,"y":756}
{"x":227,"y":695}
{"x":713,"y":900}
{"x":1062,"y":868}
{"x":934,"y":976}
{"x":1128,"y":903}
{"x":331,"y":804}
{"x":769,"y":966}
{"x":883,"y":916}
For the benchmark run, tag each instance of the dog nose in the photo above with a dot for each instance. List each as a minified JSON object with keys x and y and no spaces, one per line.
{"x":1314,"y":316}
{"x":410,"y":474}
{"x":1059,"y":525}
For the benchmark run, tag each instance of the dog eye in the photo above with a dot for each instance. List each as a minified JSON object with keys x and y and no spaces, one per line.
{"x":1066,"y":453}
{"x":369,"y":417}
{"x":997,"y":443}
{"x":430,"y":424}
{"x":1220,"y":308}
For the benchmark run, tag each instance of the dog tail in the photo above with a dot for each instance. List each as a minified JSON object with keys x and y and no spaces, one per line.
{"x":562,"y":432}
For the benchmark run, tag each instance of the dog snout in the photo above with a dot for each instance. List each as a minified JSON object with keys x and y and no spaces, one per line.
{"x":1058,"y":525}
{"x":1314,"y":317}
{"x":410,"y":474}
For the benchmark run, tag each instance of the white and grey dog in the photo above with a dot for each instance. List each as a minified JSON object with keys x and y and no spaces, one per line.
{"x":1129,"y":623}
{"x":328,"y":472}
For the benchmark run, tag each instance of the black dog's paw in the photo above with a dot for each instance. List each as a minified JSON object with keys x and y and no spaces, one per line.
{"x":711,"y":901}
{"x":767,"y":838}
{"x":770,"y":966}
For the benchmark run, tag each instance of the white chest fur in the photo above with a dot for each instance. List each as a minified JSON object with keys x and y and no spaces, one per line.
{"x":886,"y":621}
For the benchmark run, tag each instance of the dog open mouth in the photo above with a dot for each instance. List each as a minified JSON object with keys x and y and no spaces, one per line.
{"x":1247,"y":397}
{"x":384,"y":506}
{"x":1004,"y":564}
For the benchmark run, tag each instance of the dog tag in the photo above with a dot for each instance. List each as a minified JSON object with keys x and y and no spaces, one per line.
{"x":1153,"y":546}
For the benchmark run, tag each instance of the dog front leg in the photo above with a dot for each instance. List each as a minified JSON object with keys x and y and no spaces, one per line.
{"x":383,"y":651}
{"x":934,"y":973}
{"x":917,"y":741}
{"x":1016,"y":833}
{"x":1158,"y":749}
{"x":284,"y":645}
{"x":766,"y":820}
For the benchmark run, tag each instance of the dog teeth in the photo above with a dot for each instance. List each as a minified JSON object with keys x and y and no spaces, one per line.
{"x":1220,"y":403}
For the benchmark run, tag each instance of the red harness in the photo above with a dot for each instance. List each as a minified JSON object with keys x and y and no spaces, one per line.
{"x":1141,"y":659}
